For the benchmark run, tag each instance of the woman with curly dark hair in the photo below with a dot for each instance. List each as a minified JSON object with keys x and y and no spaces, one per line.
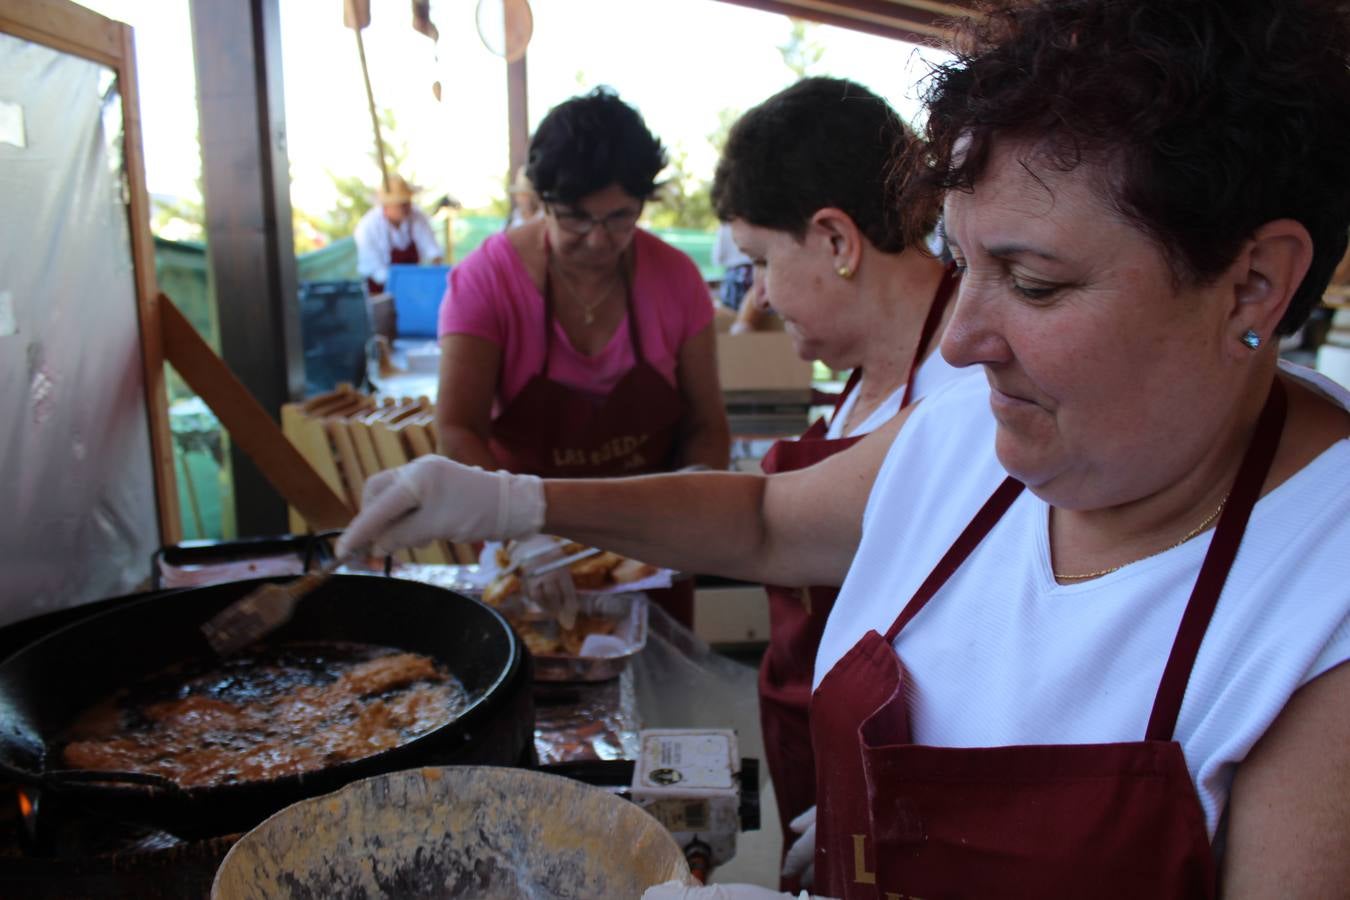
{"x":578,"y":344}
{"x":1098,"y":647}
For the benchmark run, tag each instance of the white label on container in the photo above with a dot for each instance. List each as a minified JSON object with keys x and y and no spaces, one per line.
{"x":689,"y":760}
{"x":8,"y":323}
{"x":11,"y":124}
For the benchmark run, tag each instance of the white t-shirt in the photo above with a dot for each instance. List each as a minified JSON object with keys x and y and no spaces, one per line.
{"x":932,"y":375}
{"x":1003,"y":655}
{"x":376,"y":239}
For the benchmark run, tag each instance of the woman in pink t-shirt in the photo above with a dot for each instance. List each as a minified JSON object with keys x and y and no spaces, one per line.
{"x":577,"y":345}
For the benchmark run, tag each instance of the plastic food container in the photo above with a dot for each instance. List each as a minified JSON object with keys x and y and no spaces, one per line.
{"x":598,"y":660}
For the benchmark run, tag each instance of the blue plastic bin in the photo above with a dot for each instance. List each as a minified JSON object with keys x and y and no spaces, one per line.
{"x":417,"y":293}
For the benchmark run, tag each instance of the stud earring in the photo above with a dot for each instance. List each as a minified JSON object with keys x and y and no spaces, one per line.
{"x":844,"y":272}
{"x":1251,"y":339}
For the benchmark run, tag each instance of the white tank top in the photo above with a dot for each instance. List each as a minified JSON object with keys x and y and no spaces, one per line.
{"x":932,"y":374}
{"x":1003,"y":655}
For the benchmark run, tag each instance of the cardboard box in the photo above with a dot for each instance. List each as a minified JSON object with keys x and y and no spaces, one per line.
{"x":722,"y":318}
{"x":732,"y":614}
{"x":761,"y":360}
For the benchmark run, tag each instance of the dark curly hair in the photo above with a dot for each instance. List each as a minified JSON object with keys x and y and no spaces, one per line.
{"x":821,"y":142}
{"x":1208,"y":118}
{"x":587,"y":143}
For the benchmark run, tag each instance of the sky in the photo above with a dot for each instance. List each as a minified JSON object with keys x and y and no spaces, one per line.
{"x":680,"y":62}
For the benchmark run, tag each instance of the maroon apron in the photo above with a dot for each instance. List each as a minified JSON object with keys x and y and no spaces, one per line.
{"x":797,"y":615}
{"x":1120,"y":820}
{"x":408,"y":255}
{"x":555,"y":431}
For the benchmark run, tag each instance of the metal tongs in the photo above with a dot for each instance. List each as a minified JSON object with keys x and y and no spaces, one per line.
{"x":545,"y":576}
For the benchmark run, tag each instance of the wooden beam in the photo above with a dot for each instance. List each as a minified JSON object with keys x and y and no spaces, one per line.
{"x":147,"y":301}
{"x":915,"y":21}
{"x":517,"y":116}
{"x":66,"y":27}
{"x":250,"y":428}
{"x":246,"y":181}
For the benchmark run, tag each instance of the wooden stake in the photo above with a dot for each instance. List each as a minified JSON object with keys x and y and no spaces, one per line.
{"x":374,"y":116}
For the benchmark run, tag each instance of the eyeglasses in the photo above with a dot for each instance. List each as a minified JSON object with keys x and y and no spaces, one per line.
{"x":579,"y":223}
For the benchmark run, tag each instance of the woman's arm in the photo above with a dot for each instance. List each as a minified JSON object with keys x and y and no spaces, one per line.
{"x":1289,"y":810}
{"x":705,"y":438}
{"x":750,"y":317}
{"x":796,"y":528}
{"x":468,"y":384}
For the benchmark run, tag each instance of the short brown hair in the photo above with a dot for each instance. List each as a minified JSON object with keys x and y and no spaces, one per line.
{"x":821,"y":142}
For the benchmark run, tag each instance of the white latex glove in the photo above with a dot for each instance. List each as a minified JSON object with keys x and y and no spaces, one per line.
{"x":678,"y":890}
{"x":433,"y":498}
{"x":800,"y":861}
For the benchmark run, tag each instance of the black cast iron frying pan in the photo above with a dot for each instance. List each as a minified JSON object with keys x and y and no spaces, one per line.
{"x":47,"y":683}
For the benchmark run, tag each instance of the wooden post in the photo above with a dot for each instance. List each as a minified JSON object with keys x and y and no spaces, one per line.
{"x":374,"y":116}
{"x":517,"y":115}
{"x":246,"y":177}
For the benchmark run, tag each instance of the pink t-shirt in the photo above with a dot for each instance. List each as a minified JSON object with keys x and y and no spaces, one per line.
{"x":490,"y":296}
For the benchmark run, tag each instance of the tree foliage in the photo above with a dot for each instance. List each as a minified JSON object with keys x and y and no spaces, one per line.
{"x":801,"y":53}
{"x":181,"y":218}
{"x":356,"y":192}
{"x":683,"y":199}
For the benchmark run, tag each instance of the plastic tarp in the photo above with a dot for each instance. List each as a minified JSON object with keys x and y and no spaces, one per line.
{"x":76,"y":483}
{"x":681,"y":682}
{"x":336,"y":262}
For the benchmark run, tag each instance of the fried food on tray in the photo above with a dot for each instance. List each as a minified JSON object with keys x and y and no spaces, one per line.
{"x":572,"y":638}
{"x":593,"y":573}
{"x":630,"y":570}
{"x":550,"y":639}
{"x":501,"y":589}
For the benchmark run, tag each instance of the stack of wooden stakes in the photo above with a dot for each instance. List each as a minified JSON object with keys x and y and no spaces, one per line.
{"x":348,"y":437}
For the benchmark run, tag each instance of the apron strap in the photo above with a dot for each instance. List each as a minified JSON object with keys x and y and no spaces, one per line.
{"x":1223,"y":550}
{"x":853,"y":378}
{"x":981,"y":525}
{"x":945,"y":291}
{"x":548,"y":304}
{"x":633,"y":337}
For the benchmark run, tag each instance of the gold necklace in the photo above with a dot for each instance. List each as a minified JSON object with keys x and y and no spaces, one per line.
{"x":587,"y":309}
{"x":1190,"y":534}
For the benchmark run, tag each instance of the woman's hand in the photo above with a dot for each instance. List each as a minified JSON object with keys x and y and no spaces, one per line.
{"x":800,"y":860}
{"x":433,"y":498}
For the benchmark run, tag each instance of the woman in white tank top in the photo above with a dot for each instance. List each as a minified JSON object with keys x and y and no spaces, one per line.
{"x":1093,"y":636}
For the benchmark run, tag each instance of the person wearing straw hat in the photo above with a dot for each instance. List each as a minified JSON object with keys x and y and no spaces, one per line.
{"x":393,"y":231}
